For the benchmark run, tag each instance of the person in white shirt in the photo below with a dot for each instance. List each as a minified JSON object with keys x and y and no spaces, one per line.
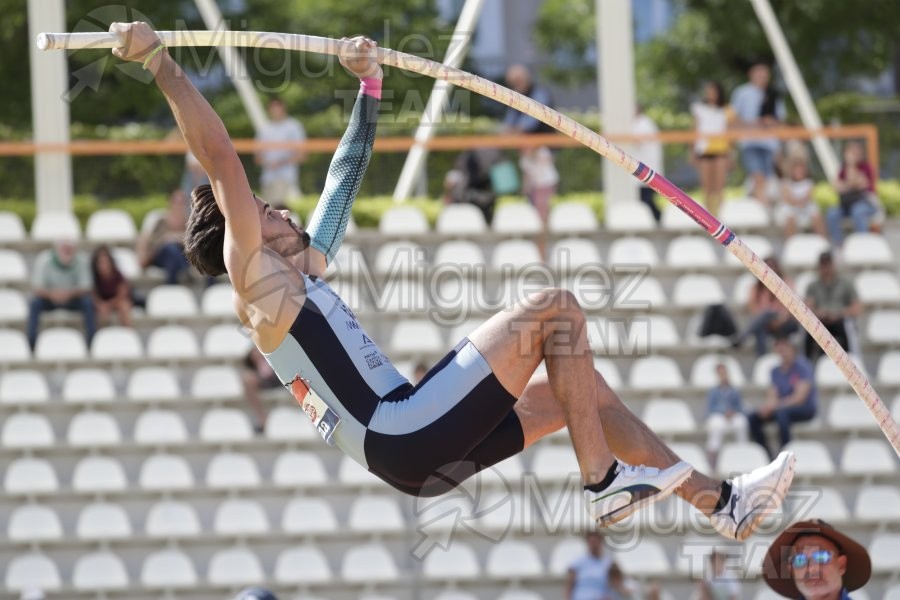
{"x":649,"y":152}
{"x":711,"y":118}
{"x":718,"y":583}
{"x":797,"y":209}
{"x":280,"y":175}
{"x":588,"y":577}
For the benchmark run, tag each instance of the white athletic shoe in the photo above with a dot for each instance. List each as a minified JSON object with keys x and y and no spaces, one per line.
{"x":633,"y":489}
{"x":754,"y":496}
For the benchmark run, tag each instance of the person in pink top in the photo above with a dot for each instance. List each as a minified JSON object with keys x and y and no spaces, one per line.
{"x":856,"y":192}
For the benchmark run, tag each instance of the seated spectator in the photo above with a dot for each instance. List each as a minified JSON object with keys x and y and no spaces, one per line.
{"x":833,"y":299}
{"x":856,"y":195}
{"x":255,"y":593}
{"x":61,"y":279}
{"x":791,"y":397}
{"x":797,"y":209}
{"x":588,"y":577}
{"x":768,"y":316}
{"x":622,"y":588}
{"x":258,"y":375}
{"x":717,"y":583}
{"x":724,"y":414}
{"x":470,"y":180}
{"x":112,"y":294}
{"x":164,"y":246}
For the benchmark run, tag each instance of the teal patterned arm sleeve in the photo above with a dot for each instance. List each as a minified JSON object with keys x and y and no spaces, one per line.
{"x":329,"y":221}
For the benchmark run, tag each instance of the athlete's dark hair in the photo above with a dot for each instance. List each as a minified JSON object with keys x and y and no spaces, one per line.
{"x":204,"y":237}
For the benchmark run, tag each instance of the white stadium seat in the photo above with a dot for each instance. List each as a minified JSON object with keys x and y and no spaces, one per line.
{"x":564,"y":554}
{"x":514,"y":559}
{"x":13,"y":347}
{"x":229,"y":470}
{"x":848,"y":413}
{"x":802,"y":251}
{"x":12,"y":267}
{"x":813,"y":458}
{"x":88,"y":386}
{"x":289,"y":424}
{"x":110,"y":225}
{"x":295,"y":469}
{"x":867,"y":249}
{"x":49,"y":226}
{"x":885,"y":553}
{"x":217,"y":301}
{"x":403,"y":220}
{"x":117,"y":344}
{"x":744,"y":213}
{"x":172,"y":519}
{"x":60,"y":344}
{"x":571,"y":254}
{"x":868,"y":457}
{"x":669,"y":416}
{"x":830,"y":505}
{"x":509,"y":512}
{"x":519,"y":594}
{"x":460,"y":219}
{"x":457,"y":562}
{"x":127,"y":262}
{"x":697,"y":291}
{"x":375,"y":514}
{"x":100,"y":570}
{"x":216,"y":382}
{"x":234,"y":567}
{"x":572,"y":217}
{"x":646,"y":559}
{"x":103,"y":521}
{"x":370,"y":563}
{"x":93,"y":429}
{"x":224,"y":425}
{"x":160,"y":427}
{"x":351,"y":473}
{"x":555,"y":464}
{"x":399,"y":258}
{"x":172,"y":342}
{"x":515,"y":255}
{"x":23,"y":387}
{"x":628,"y":216}
{"x":877,"y":287}
{"x":98,"y":474}
{"x":639,"y":292}
{"x":518,"y":218}
{"x":892,"y":593}
{"x":703,"y":371}
{"x":691,"y":454}
{"x":762,"y":369}
{"x":240,"y":516}
{"x":32,"y":571}
{"x":655,"y":373}
{"x":26,"y":430}
{"x":13,"y":306}
{"x":171,"y":302}
{"x":691,"y":252}
{"x":34,"y":523}
{"x":828,"y":375}
{"x":162,"y":472}
{"x":308,"y":516}
{"x":458,"y":253}
{"x":878,"y":504}
{"x":675,"y":219}
{"x":225,"y":341}
{"x":153,"y":383}
{"x":884,"y":327}
{"x":610,"y":372}
{"x":741,"y":457}
{"x":11,"y":228}
{"x":760,"y":245}
{"x":169,"y":568}
{"x":416,"y":337}
{"x":457,"y":595}
{"x":302,"y":565}
{"x":633,"y":251}
{"x":30,"y":476}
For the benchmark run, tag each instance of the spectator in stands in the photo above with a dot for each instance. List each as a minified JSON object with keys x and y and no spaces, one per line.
{"x":622,"y":588}
{"x":711,"y":118}
{"x":111,"y":292}
{"x":856,"y":194}
{"x":724,"y":414}
{"x":255,"y":593}
{"x":470,"y":180}
{"x":280,"y":179}
{"x":768,"y":316}
{"x":588,"y":577}
{"x":757,"y":107}
{"x":538,"y":168}
{"x":791,"y":397}
{"x":61,"y":279}
{"x":649,"y":152}
{"x":833,"y":299}
{"x":163,"y":247}
{"x":419,"y":372}
{"x":811,"y":559}
{"x":797,"y":209}
{"x":258,"y":375}
{"x":718,"y":583}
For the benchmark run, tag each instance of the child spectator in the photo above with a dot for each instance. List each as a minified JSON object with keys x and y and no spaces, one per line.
{"x":797,"y":209}
{"x":724,"y":414}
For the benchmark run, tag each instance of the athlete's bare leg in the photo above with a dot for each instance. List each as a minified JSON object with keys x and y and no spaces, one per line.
{"x":627,"y":436}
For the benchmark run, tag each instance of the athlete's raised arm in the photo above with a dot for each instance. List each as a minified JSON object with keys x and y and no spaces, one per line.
{"x":207,"y":138}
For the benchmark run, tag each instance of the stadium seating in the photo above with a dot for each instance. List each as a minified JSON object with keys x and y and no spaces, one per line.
{"x":516,"y":220}
{"x":403,"y":221}
{"x":170,"y":568}
{"x":460,"y":220}
{"x":34,"y":523}
{"x":11,"y":228}
{"x":514,"y":559}
{"x":53,"y":225}
{"x":458,"y":562}
{"x":103,"y":521}
{"x":302,"y":565}
{"x":569,"y":218}
{"x":13,"y":305}
{"x":24,"y":386}
{"x":110,"y":226}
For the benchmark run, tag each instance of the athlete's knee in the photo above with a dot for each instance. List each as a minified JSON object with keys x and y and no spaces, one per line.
{"x":554,"y":302}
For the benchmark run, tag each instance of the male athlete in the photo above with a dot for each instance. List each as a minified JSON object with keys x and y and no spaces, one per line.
{"x":481,"y":403}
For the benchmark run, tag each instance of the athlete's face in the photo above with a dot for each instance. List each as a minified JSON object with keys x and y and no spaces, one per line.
{"x":279,"y":232}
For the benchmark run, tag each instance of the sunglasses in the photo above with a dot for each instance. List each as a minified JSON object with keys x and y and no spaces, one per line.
{"x":819,"y":557}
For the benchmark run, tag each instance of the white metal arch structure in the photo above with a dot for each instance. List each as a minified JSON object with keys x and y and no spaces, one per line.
{"x":562,"y":123}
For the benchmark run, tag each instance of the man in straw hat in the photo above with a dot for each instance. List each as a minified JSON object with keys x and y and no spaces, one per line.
{"x":812,"y":560}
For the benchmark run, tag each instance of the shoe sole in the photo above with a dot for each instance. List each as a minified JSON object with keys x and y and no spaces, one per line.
{"x":626,"y":511}
{"x":785,"y":478}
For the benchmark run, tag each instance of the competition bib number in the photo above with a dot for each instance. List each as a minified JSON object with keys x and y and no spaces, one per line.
{"x":324,"y":419}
